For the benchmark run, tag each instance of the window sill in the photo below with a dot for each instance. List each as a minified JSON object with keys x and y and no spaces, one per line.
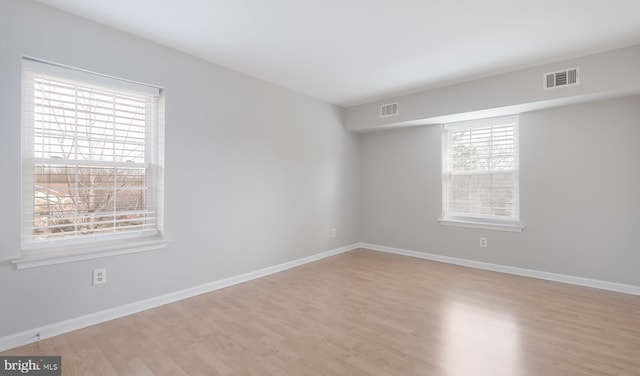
{"x":60,"y":256}
{"x":510,"y":227}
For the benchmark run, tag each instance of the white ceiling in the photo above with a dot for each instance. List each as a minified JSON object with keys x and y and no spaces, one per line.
{"x":349,"y":52}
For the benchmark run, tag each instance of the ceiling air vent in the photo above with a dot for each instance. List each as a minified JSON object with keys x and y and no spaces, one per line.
{"x":561,"y":78}
{"x":387,"y":110}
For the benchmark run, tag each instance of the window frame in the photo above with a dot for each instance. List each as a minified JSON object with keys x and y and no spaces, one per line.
{"x":480,"y":221}
{"x":66,"y":249}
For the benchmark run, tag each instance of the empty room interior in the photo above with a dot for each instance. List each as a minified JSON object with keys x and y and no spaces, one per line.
{"x":210,"y":187}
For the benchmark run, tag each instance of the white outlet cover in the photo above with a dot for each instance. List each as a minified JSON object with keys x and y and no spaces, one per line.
{"x":99,"y":276}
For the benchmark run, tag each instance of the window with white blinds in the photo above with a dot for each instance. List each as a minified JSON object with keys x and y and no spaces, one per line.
{"x":90,"y":157}
{"x":480,"y":170}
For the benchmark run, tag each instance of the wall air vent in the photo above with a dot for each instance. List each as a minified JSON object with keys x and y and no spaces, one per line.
{"x":387,"y":110}
{"x":568,"y":77}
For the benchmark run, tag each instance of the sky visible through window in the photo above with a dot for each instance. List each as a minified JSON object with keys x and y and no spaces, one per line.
{"x":89,"y":160}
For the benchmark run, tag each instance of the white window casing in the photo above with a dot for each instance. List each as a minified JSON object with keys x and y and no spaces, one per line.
{"x":480,"y":174}
{"x":92,"y":157}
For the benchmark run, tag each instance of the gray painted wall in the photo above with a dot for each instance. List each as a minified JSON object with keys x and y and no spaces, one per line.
{"x":604,"y":75}
{"x":579,"y":192}
{"x":261,"y":173}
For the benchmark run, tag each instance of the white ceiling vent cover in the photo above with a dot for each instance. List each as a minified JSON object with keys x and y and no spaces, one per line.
{"x":568,"y":77}
{"x":387,"y":110}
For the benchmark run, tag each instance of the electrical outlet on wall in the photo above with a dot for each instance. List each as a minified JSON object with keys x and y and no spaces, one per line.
{"x":99,"y":276}
{"x":483,"y":242}
{"x":333,"y":232}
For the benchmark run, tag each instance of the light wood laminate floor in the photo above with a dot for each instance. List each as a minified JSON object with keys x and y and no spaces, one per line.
{"x":368,"y":313}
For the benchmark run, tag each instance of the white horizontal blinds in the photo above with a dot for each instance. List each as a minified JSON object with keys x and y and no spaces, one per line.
{"x":481,"y":169}
{"x":86,"y":159}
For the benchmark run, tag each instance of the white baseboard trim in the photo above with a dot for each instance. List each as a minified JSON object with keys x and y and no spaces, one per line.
{"x":33,"y":335}
{"x":598,"y":284}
